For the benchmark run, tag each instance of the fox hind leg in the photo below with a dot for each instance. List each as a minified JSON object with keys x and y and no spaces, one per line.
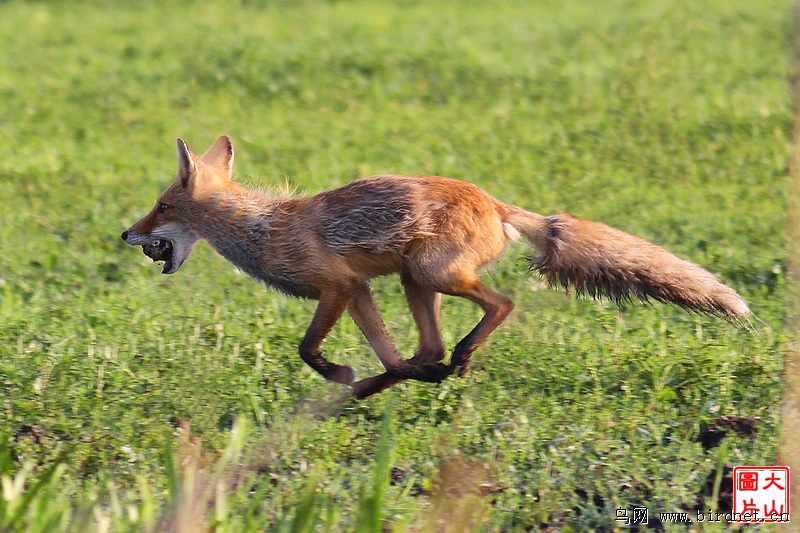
{"x":425,"y":305}
{"x":366,"y":315}
{"x":496,"y":308}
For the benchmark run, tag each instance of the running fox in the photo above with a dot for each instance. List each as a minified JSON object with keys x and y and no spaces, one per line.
{"x":435,"y":232}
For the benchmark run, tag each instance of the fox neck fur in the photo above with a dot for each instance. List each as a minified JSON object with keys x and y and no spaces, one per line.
{"x":240,"y":225}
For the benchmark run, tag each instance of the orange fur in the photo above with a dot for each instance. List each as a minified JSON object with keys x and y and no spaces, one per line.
{"x":435,"y":232}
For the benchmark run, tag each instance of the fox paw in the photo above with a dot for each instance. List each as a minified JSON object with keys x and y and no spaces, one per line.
{"x":431,"y":373}
{"x":459,"y":363}
{"x":373,"y":385}
{"x":437,"y":372}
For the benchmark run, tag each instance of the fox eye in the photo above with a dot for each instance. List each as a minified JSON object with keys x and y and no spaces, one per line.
{"x":162,"y":207}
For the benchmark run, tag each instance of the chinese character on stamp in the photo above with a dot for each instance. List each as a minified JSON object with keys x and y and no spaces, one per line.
{"x":761,"y":493}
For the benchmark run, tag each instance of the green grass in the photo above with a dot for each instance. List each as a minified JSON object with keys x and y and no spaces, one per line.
{"x":670,"y":120}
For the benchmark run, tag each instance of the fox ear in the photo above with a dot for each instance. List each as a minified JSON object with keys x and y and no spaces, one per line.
{"x":187,"y":170}
{"x":220,"y":155}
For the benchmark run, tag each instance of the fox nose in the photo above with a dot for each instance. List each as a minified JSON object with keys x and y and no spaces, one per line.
{"x":124,"y":235}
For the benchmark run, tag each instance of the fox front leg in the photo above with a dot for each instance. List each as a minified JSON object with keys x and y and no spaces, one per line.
{"x":366,"y":387}
{"x":331,"y":306}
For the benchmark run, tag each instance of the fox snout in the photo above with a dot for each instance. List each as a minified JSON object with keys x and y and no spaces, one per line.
{"x":135,"y":238}
{"x":170,"y":242}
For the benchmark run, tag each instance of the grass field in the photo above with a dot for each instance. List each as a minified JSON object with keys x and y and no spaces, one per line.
{"x":132,"y":401}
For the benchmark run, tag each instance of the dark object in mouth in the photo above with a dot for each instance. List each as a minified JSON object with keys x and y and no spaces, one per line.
{"x":158,"y":250}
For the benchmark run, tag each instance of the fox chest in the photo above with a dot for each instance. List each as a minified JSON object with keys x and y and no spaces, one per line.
{"x":273,"y":267}
{"x":290,"y":285}
{"x":278,"y":277}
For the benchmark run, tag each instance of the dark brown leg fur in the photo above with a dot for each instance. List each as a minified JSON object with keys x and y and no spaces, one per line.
{"x":496,"y":306}
{"x":330,"y":308}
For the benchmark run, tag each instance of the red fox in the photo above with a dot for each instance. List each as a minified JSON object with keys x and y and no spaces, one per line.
{"x":435,"y":232}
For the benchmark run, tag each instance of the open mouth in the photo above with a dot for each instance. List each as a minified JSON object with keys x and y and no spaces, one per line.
{"x":160,"y":250}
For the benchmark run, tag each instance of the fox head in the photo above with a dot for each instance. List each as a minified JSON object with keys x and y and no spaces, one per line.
{"x":174,"y":219}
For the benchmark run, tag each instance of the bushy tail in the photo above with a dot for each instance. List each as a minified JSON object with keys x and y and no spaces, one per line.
{"x":605,"y":262}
